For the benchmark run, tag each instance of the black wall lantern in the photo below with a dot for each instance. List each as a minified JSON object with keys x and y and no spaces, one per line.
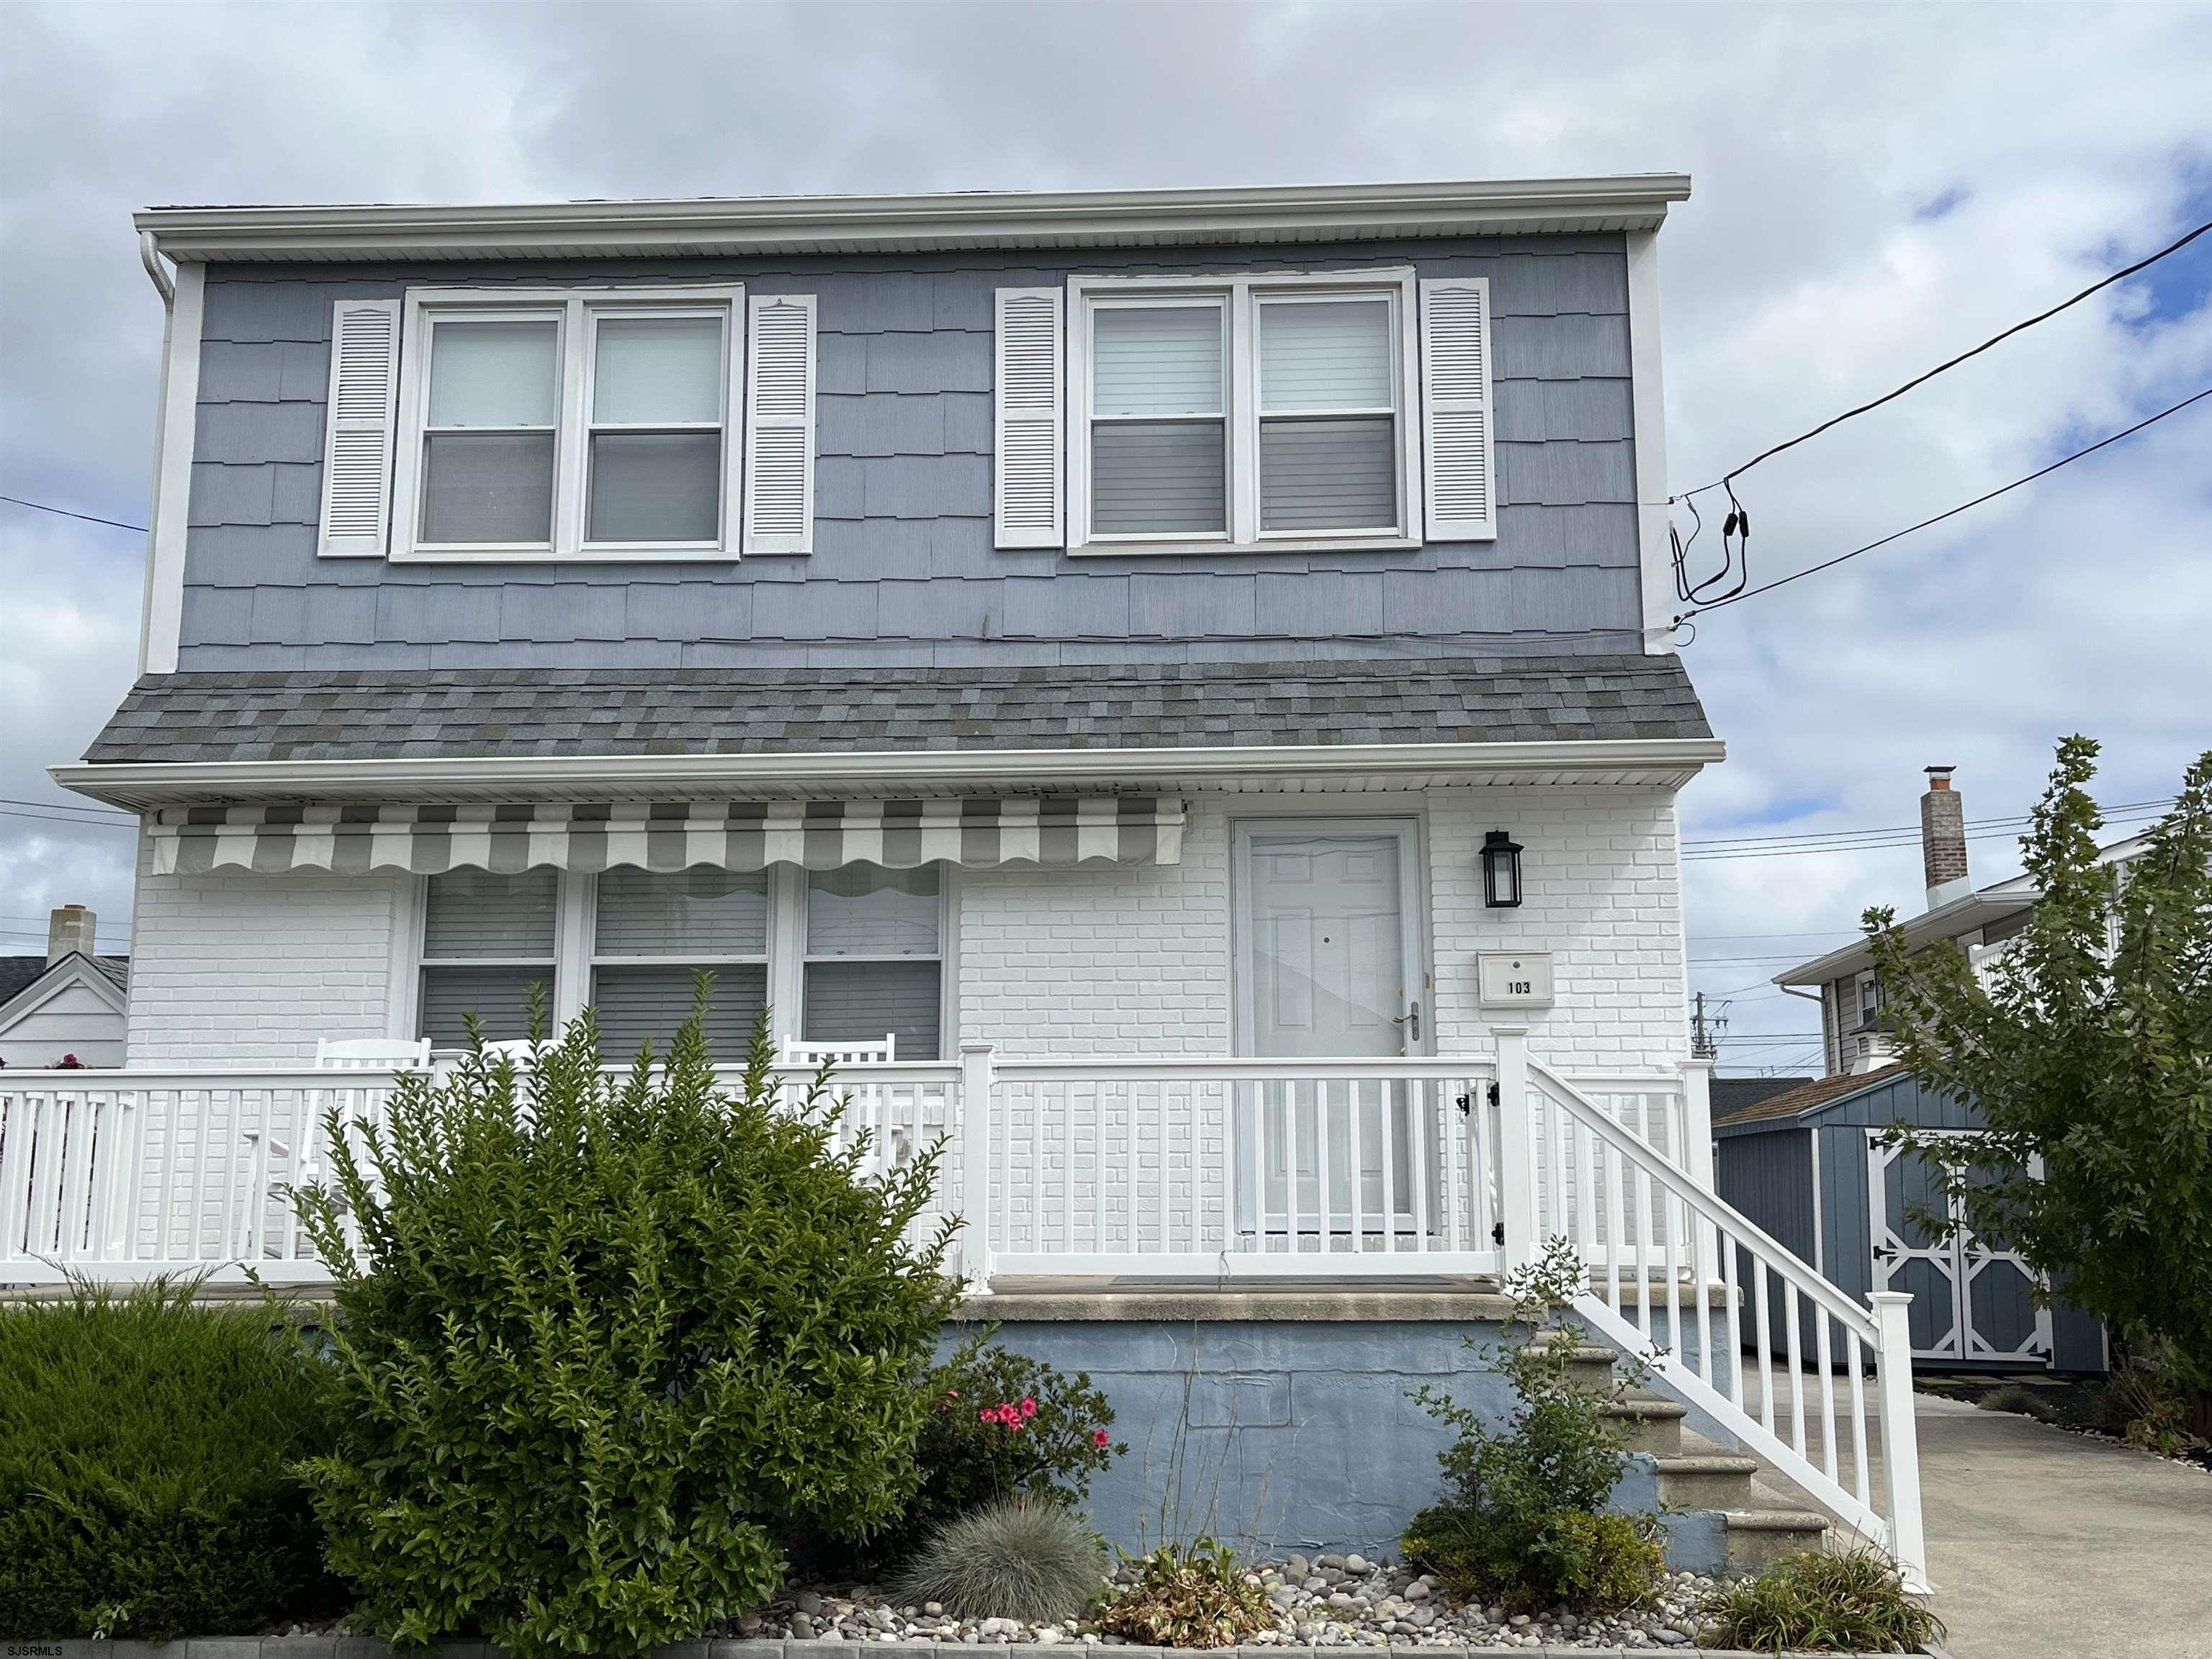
{"x":1501,"y":871}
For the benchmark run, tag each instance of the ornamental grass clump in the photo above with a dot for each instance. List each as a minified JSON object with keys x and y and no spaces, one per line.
{"x":1190,"y":1596}
{"x":145,"y":1482}
{"x":616,"y":1340}
{"x":1852,"y":1602}
{"x":1039,"y":1563}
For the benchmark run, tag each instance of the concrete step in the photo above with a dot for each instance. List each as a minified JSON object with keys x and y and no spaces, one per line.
{"x":1649,"y":1424}
{"x":1756,"y":1538}
{"x":1593,"y":1362}
{"x":1708,"y":1480}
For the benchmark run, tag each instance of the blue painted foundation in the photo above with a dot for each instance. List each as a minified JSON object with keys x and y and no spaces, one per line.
{"x":1291,"y":1435}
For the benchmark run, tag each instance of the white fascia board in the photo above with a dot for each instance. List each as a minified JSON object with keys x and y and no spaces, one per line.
{"x":1648,"y":394}
{"x":816,"y":224}
{"x":1960,"y":915}
{"x":1668,"y":761}
{"x":162,"y":615}
{"x":71,"y":971}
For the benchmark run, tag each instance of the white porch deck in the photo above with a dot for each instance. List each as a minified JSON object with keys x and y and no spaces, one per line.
{"x":1121,"y":1168}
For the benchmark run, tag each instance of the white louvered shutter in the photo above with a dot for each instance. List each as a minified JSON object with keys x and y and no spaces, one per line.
{"x":357,"y":437}
{"x":1461,"y":479}
{"x":1027,"y":468}
{"x":780,"y":425}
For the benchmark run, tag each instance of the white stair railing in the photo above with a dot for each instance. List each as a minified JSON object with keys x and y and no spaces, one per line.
{"x":1652,"y":1237}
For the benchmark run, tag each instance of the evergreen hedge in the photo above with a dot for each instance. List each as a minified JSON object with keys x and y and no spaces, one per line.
{"x":146,"y":1446}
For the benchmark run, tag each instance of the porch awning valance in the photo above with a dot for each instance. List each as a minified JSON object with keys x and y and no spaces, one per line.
{"x":725,"y":835}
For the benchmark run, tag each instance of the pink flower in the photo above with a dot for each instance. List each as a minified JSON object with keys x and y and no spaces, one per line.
{"x":987,"y":1415}
{"x":1029,"y":1408}
{"x":1098,"y":1438}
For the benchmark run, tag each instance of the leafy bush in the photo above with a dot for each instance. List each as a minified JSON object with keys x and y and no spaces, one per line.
{"x":145,"y":1446}
{"x":1815,"y":1603}
{"x":1521,"y":1520}
{"x":2148,"y":1408}
{"x":1003,"y":1426}
{"x":1010,"y":1559}
{"x":1190,"y":1596}
{"x":618,"y":1338}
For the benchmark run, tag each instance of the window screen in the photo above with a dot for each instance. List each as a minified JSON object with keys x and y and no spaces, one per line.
{"x":874,"y":958}
{"x":1329,"y":446}
{"x":1158,"y":399}
{"x":487,"y":939}
{"x":656,"y":440}
{"x":488,"y":445}
{"x":655,"y":932}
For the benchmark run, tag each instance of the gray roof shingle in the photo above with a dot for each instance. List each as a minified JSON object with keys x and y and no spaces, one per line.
{"x":359,"y":715}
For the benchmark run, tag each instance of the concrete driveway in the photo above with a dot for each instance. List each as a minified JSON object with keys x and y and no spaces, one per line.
{"x":2045,"y":1543}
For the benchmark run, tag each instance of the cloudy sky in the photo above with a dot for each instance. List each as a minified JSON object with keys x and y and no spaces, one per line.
{"x":1876,"y":188}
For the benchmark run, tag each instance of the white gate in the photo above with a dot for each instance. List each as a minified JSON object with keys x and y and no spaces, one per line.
{"x":1971,"y":1300}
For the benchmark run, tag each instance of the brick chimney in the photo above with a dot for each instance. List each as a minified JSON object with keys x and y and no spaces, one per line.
{"x":1943,"y":838}
{"x":70,"y":929}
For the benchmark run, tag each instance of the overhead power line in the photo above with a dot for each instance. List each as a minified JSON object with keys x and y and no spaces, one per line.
{"x":2096,"y":287}
{"x":64,"y":806}
{"x":60,"y":817}
{"x":70,"y":512}
{"x":1741,"y":594}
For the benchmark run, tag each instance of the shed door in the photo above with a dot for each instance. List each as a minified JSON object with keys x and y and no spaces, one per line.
{"x":1972,"y":1299}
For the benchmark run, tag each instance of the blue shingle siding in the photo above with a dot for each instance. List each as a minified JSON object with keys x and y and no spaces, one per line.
{"x":903,"y":571}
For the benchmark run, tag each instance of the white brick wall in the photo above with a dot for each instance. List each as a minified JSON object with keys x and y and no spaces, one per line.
{"x":1096,"y":961}
{"x":1603,"y":894}
{"x":251,"y":969}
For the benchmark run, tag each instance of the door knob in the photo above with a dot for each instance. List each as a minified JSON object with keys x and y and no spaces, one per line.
{"x":1411,"y":1019}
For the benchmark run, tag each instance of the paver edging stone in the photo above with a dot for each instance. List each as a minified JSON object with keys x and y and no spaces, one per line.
{"x":367,"y":1647}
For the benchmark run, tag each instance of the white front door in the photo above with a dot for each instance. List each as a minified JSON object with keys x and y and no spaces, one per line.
{"x":1326,"y":960}
{"x":1328,"y":965}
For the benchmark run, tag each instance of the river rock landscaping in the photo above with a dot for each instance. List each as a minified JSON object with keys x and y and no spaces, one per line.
{"x":1325,"y":1601}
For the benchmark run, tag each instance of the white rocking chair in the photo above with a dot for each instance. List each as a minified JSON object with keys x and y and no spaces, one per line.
{"x":856,"y":1052}
{"x":371,"y":1055}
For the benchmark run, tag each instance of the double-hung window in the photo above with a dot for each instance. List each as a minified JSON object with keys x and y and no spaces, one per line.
{"x":843,"y":955}
{"x":874,"y":958}
{"x":602,"y":424}
{"x":1243,"y":412}
{"x":653,"y":934}
{"x":487,"y":939}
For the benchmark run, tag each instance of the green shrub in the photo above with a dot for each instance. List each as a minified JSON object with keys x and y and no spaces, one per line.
{"x":1516,"y":1524}
{"x":1190,"y":1596}
{"x":615,"y":1342}
{"x":145,"y":1487}
{"x":1847,"y":1603}
{"x":1009,"y":1559}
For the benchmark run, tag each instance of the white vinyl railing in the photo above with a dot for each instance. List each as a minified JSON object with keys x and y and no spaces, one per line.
{"x":125,"y":1175}
{"x":1209,"y":1168}
{"x":1681,"y":1280}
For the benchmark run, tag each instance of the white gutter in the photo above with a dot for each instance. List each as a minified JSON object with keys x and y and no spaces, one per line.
{"x":140,"y":784}
{"x":900,"y":223}
{"x":149,"y":255}
{"x":1960,"y":915}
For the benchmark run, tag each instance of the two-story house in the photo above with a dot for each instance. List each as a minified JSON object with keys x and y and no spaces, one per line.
{"x":1173,"y":688}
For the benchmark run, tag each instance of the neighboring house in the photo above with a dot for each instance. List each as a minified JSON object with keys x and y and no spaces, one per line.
{"x":1173,"y":688}
{"x":1980,"y":922}
{"x":1809,"y":1165}
{"x":66,"y":1007}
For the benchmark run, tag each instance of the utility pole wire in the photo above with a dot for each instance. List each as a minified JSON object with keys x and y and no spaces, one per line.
{"x":40,"y":507}
{"x":1922,"y":379}
{"x":1829,"y":564}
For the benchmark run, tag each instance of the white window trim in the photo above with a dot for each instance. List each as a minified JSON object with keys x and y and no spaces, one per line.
{"x":578,"y":311}
{"x":1241,"y":293}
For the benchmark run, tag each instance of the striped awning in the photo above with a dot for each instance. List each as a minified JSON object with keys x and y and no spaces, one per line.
{"x":725,"y":835}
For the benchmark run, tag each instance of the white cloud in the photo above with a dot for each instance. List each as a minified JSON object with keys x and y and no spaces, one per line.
{"x":1814,"y":268}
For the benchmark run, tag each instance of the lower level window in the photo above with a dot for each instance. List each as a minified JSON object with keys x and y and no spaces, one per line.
{"x":487,"y":939}
{"x":655,"y":933}
{"x":874,"y":962}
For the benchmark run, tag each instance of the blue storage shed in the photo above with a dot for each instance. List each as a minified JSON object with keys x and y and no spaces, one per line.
{"x":1808,"y":1165}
